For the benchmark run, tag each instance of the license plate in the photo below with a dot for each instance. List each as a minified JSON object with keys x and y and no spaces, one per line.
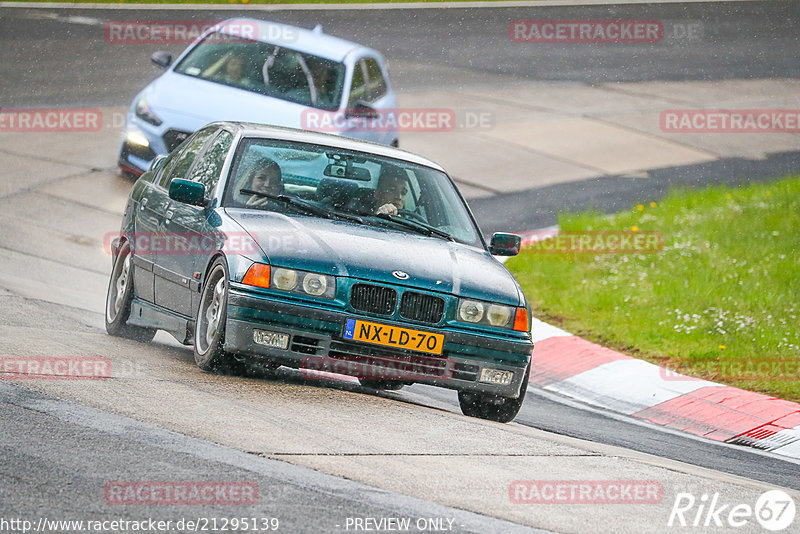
{"x":393,"y":336}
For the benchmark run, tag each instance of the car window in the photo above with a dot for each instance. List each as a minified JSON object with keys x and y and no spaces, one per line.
{"x":208,"y":168}
{"x":358,"y":88}
{"x":183,"y":159}
{"x":267,"y":69}
{"x":346,"y":181}
{"x":376,"y":83}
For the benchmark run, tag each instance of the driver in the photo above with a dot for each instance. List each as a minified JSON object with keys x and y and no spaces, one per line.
{"x":390,"y":195}
{"x":233,"y":72}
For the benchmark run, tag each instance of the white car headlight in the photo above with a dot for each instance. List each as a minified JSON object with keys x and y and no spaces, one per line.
{"x":284,"y":279}
{"x":303,"y":282}
{"x":470,"y":311}
{"x":498,"y":315}
{"x":135,"y":137}
{"x":492,"y":314}
{"x":315,"y":284}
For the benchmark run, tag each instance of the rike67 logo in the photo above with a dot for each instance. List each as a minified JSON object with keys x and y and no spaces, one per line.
{"x":774,"y":511}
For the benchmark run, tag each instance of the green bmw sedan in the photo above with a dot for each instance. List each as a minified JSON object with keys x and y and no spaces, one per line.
{"x":264,"y":246}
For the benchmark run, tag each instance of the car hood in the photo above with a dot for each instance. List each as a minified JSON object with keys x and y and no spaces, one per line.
{"x":372,"y":253}
{"x":190,"y":103}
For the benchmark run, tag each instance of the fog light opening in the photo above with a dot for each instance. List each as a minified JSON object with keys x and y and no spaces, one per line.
{"x":496,"y":376}
{"x":277,"y":340}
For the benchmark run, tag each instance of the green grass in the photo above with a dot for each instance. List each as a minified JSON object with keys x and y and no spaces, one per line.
{"x":721,"y":300}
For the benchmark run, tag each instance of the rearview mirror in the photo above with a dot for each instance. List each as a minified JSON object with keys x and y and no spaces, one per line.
{"x":162,"y":59}
{"x":188,"y":192}
{"x":505,"y":244}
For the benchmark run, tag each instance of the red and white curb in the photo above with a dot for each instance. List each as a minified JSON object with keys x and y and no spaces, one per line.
{"x":571,"y":366}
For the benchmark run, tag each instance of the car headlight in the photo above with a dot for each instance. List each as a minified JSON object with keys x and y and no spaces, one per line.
{"x":315,"y":284}
{"x":144,"y":112}
{"x":303,"y":282}
{"x":491,"y":314}
{"x":285,"y":279}
{"x":136,"y":138}
{"x":498,"y":315}
{"x":470,"y":311}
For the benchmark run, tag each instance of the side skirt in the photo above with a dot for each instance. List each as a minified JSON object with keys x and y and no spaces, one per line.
{"x":152,"y":316}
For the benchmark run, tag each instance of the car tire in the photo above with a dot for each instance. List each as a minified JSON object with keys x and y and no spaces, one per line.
{"x":119,"y":297}
{"x":390,"y":385}
{"x":493,"y":407}
{"x":209,"y":330}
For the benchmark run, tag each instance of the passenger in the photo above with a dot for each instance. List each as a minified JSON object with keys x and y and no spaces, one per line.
{"x":264,"y":176}
{"x":323,"y":83}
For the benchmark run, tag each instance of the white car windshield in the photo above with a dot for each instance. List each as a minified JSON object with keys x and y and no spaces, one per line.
{"x":377,"y":189}
{"x":266,"y":69}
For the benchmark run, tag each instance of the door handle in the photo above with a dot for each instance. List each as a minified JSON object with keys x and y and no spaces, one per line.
{"x":143,"y":203}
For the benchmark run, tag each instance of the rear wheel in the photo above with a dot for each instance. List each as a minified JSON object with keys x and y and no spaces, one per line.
{"x":209,"y":331}
{"x":493,"y":407}
{"x":119,"y":297}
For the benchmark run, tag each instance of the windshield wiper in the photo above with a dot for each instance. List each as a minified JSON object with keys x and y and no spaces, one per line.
{"x":319,"y":211}
{"x":418,"y":226}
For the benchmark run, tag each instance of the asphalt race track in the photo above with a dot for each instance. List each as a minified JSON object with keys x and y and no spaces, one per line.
{"x":324,"y":453}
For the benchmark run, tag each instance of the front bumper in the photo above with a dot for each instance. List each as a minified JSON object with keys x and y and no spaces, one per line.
{"x":315,"y":343}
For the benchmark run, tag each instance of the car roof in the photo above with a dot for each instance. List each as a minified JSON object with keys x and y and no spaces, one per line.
{"x":250,"y":129}
{"x":299,"y":39}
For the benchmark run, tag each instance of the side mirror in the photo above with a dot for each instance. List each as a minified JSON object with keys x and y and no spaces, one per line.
{"x":505,"y":244}
{"x":161,"y":59}
{"x":360,"y":109}
{"x":157,"y":161}
{"x":188,"y":192}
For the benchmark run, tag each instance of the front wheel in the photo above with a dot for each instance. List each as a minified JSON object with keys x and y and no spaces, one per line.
{"x":493,"y":407}
{"x":209,"y":331}
{"x":119,"y":297}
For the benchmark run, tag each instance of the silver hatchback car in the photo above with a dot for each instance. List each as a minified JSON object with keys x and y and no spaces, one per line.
{"x":251,"y":70}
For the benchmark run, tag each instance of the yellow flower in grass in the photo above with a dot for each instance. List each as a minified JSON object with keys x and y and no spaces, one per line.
{"x":640,"y":207}
{"x":722,"y":347}
{"x":634,"y":228}
{"x":652,"y":204}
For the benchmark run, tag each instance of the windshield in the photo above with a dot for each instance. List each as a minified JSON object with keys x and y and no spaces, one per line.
{"x":266,"y":69}
{"x":381,"y":191}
